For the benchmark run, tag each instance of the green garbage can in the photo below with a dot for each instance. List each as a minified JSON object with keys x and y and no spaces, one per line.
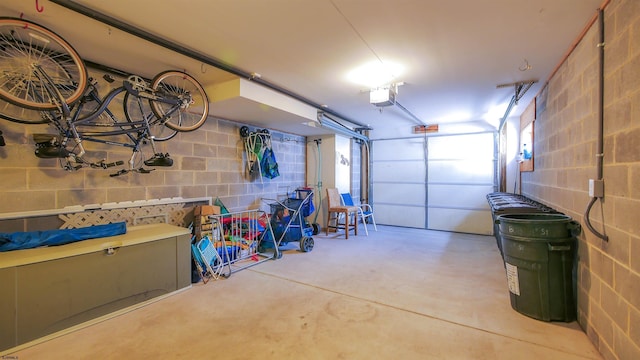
{"x":539,"y":254}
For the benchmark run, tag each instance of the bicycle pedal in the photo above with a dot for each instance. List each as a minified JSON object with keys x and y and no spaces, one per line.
{"x":120,"y":172}
{"x":69,"y":167}
{"x":108,"y":78}
{"x":159,"y":160}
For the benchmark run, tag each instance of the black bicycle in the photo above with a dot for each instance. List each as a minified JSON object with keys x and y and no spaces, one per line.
{"x":44,"y":80}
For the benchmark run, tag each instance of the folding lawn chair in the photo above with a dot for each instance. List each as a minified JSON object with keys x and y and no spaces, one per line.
{"x":364,"y":210}
{"x":210,"y":259}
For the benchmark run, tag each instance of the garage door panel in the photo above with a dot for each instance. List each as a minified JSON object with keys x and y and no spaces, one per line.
{"x":459,"y":220}
{"x":459,"y":196}
{"x":443,"y":188}
{"x":476,"y":146}
{"x":410,"y":171}
{"x":405,"y":149}
{"x":409,"y":194}
{"x":457,"y":171}
{"x":400,"y":215}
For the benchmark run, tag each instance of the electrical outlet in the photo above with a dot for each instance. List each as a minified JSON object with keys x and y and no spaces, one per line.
{"x":596,"y":188}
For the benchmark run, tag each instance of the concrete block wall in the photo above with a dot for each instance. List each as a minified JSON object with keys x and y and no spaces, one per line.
{"x":209,"y":162}
{"x":608,"y":273}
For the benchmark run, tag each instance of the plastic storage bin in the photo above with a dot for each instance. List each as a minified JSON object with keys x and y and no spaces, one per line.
{"x":539,"y":253}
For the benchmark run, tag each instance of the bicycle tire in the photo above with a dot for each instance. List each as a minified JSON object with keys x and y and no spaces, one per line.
{"x":24,"y":43}
{"x":21,"y":115}
{"x":135,"y":110}
{"x":188,"y":117}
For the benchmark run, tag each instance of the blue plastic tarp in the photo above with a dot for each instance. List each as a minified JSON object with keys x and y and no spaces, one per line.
{"x":33,"y":239}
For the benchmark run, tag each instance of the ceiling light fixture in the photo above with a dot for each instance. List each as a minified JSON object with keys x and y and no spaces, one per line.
{"x":375,"y":74}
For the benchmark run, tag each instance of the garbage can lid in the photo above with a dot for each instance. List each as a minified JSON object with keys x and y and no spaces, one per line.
{"x":534,"y":217}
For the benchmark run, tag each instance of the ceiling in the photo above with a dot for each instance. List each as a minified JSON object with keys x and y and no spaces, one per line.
{"x":285,"y":59}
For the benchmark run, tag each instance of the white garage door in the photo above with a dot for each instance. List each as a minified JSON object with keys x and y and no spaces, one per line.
{"x":399,"y":182}
{"x":437,"y":182}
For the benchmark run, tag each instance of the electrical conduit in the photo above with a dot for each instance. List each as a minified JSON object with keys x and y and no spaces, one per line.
{"x":600,"y":140}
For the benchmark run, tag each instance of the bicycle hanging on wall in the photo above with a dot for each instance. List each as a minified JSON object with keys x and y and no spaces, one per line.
{"x":43,"y":80}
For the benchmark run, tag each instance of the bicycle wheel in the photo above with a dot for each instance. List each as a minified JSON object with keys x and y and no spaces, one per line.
{"x":25,"y":46}
{"x":137,"y":109}
{"x":193,"y":109}
{"x":23,"y":116}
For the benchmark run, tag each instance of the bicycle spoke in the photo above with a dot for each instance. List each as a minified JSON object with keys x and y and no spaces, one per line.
{"x":192,"y":110}
{"x":43,"y":80}
{"x":138,"y":109}
{"x":23,"y":116}
{"x":28,"y":51}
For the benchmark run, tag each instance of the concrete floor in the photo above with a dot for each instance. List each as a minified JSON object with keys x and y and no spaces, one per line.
{"x":396,"y":294}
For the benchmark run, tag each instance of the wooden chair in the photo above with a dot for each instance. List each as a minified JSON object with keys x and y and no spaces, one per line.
{"x":334,"y":211}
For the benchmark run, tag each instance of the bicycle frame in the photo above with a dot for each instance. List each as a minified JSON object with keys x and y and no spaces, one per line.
{"x":140,"y":127}
{"x":44,"y":77}
{"x":69,"y":123}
